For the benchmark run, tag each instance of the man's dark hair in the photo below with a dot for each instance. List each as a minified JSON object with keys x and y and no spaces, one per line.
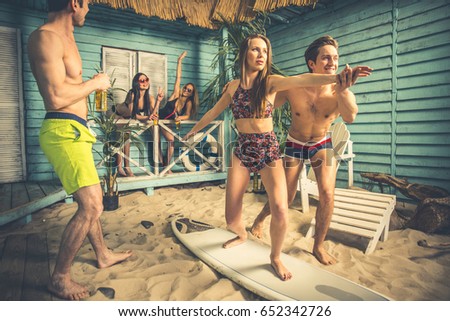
{"x":59,"y":5}
{"x":313,"y":50}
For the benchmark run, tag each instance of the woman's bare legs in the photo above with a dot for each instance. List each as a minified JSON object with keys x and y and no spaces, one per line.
{"x":292,"y":168}
{"x":170,"y":147}
{"x":274,"y":180}
{"x":237,"y":182}
{"x":126,"y":151}
{"x":124,"y":170}
{"x":120,"y":170}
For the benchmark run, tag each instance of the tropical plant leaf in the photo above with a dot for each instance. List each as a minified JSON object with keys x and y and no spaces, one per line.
{"x":111,"y":138}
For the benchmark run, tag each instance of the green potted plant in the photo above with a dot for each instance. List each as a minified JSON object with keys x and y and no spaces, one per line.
{"x":108,"y":138}
{"x":111,"y":136}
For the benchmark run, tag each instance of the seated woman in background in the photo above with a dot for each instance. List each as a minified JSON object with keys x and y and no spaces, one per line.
{"x":142,"y":106}
{"x":182,"y":105}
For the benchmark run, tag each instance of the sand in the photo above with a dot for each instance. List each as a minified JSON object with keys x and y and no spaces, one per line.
{"x":162,"y":269}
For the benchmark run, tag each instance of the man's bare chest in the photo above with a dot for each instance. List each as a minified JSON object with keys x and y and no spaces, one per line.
{"x":72,"y":62}
{"x":322,"y":106}
{"x":314,"y":106}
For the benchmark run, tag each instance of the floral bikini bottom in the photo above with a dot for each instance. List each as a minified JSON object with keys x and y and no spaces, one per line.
{"x":256,"y":150}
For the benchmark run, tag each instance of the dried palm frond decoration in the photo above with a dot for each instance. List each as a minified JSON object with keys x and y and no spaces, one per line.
{"x":203,"y":13}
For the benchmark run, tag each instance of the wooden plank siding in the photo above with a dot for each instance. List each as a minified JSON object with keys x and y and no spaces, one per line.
{"x":423,"y":92}
{"x":403,"y":123}
{"x":106,"y":27}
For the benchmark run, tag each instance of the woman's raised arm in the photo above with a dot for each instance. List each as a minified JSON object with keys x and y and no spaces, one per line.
{"x":212,"y":114}
{"x":176,"y":86}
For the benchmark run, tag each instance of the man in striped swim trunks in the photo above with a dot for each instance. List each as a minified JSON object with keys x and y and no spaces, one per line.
{"x":66,"y":140}
{"x":313,"y":111}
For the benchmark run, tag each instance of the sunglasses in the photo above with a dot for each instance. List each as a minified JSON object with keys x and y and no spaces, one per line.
{"x":143,"y":81}
{"x":189,"y":90}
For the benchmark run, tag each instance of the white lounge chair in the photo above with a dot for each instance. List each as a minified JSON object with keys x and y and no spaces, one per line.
{"x":357,"y":212}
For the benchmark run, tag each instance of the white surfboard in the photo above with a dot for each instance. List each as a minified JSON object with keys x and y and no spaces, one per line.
{"x":248,"y":265}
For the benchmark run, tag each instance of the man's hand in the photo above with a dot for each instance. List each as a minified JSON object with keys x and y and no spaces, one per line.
{"x":360,"y":71}
{"x":344,"y":79}
{"x":103,"y":82}
{"x":347,"y":77}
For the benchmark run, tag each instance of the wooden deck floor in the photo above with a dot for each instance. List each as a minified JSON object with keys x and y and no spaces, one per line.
{"x":24,"y":258}
{"x":24,"y":268}
{"x":19,"y":200}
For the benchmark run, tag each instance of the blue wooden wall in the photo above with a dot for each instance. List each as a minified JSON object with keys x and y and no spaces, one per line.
{"x":403,"y":123}
{"x":108,"y":27}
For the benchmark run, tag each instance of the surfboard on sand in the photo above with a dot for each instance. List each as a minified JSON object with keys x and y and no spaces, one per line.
{"x":248,"y":265}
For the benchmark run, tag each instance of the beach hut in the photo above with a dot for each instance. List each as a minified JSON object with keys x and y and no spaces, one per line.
{"x":402,"y":128}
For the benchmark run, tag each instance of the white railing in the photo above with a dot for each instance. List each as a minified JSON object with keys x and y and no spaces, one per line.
{"x":210,"y":164}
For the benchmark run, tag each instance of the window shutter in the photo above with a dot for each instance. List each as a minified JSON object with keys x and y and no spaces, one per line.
{"x":122,"y":64}
{"x":119,"y":64}
{"x":12,"y":151}
{"x":155,"y":67}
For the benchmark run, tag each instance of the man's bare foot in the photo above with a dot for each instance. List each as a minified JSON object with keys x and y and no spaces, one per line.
{"x":323,"y":257}
{"x":233,"y":242}
{"x":113,"y":258}
{"x":257,"y":228}
{"x":67,"y":289}
{"x":128,"y":172}
{"x":280,"y":269}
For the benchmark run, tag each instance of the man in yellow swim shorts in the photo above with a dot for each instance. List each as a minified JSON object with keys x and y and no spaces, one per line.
{"x":65,"y":138}
{"x":67,"y":143}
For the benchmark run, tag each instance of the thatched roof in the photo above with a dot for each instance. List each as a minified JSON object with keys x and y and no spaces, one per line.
{"x":203,"y":13}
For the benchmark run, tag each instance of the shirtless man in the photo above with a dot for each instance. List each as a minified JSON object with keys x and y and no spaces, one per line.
{"x":65,"y":138}
{"x":313,"y":111}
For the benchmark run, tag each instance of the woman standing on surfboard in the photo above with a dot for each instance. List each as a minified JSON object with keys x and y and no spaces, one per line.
{"x":251,"y":99}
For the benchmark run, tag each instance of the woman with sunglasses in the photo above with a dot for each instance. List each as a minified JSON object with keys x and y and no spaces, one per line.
{"x":142,"y":106}
{"x":252,"y":99}
{"x":182,"y":105}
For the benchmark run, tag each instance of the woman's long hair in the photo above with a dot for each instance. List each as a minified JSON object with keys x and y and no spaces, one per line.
{"x":194,"y":99}
{"x":258,"y":90}
{"x":135,"y":89}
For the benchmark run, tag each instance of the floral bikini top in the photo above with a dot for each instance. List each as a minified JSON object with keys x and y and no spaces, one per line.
{"x":240,"y":105}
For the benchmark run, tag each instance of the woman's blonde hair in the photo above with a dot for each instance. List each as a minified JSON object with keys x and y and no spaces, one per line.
{"x":258,"y":90}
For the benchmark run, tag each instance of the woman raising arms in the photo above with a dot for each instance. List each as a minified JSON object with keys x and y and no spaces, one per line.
{"x":251,"y":100}
{"x":182,"y":105}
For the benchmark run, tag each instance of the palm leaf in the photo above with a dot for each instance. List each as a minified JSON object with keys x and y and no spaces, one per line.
{"x":111,"y":137}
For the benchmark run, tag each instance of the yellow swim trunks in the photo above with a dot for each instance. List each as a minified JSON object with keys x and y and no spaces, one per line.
{"x":67,"y":143}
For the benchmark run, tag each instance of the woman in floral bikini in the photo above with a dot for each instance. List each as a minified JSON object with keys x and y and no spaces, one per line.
{"x":251,"y":99}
